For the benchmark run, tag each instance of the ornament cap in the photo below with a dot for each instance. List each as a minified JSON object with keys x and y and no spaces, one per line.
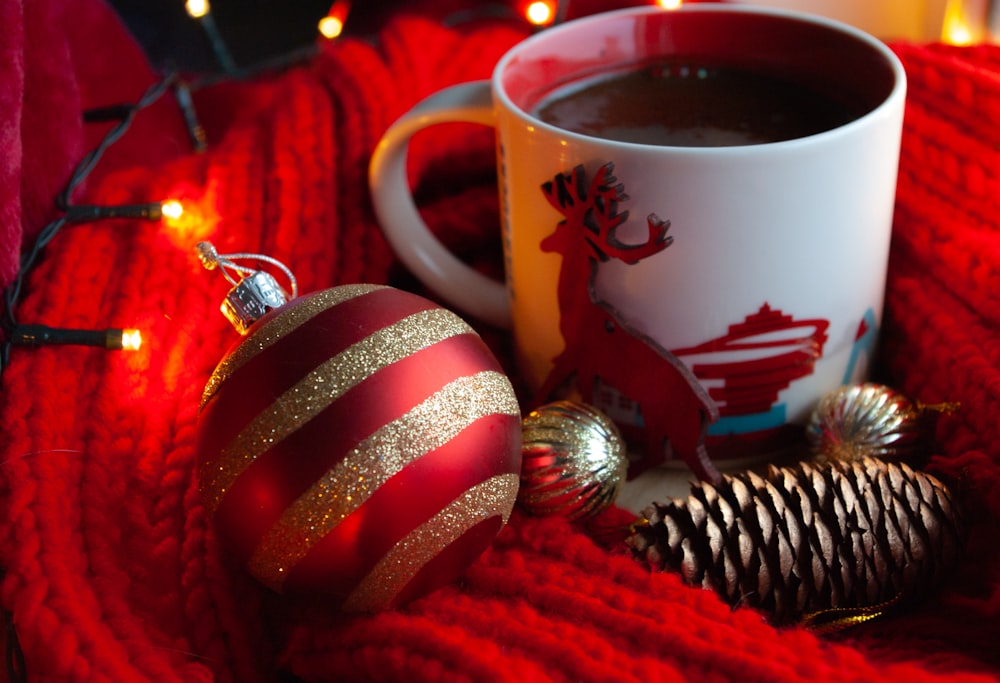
{"x":254,"y":293}
{"x":251,"y":299}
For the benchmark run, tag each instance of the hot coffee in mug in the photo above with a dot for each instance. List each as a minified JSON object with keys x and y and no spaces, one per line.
{"x":696,"y":208}
{"x":693,"y":103}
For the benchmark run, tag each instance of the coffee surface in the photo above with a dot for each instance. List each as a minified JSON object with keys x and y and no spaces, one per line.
{"x":689,"y":105}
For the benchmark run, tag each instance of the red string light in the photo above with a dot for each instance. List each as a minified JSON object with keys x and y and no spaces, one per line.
{"x":540,"y":12}
{"x":332,"y":25}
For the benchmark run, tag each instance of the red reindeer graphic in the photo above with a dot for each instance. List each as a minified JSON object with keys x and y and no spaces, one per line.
{"x":599,"y":344}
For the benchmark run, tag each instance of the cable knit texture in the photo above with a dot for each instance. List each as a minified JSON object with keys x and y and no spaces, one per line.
{"x":112,"y":571}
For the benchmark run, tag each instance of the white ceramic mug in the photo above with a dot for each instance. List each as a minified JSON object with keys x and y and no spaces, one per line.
{"x":721,"y":290}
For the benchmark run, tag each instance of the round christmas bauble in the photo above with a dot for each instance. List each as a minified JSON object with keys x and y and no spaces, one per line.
{"x":361,"y":442}
{"x":573,"y":460}
{"x":866,"y":420}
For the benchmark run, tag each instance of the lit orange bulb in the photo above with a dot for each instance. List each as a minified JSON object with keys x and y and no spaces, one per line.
{"x":172,"y":209}
{"x":955,"y":26}
{"x":958,"y":34}
{"x":131,"y":340}
{"x":670,"y":4}
{"x":189,"y":220}
{"x":539,"y":13}
{"x":197,"y":8}
{"x":331,"y":27}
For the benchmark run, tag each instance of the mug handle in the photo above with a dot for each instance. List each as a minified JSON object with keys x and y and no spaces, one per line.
{"x":418,"y":248}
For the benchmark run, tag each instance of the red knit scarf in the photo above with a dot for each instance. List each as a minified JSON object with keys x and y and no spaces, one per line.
{"x":112,"y":570}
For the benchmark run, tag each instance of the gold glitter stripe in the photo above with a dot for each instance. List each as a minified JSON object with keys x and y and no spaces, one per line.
{"x":390,"y":576}
{"x":279,"y":326}
{"x":321,"y":387}
{"x":385,"y":453}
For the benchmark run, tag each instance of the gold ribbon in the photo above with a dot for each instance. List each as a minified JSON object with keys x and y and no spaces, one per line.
{"x":841,"y":618}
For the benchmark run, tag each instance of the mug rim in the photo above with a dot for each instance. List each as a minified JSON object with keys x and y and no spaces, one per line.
{"x":879,"y":48}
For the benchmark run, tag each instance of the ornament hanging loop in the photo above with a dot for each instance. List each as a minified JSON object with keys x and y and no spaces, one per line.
{"x":254,"y":292}
{"x":211,"y":259}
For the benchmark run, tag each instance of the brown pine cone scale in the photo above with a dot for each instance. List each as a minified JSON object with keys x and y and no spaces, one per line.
{"x":807,"y":539}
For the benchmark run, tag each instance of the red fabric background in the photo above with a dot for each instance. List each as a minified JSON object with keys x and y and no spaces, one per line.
{"x":112,"y":572}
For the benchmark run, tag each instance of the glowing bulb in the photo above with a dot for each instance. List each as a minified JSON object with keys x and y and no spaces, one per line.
{"x":955,"y":29}
{"x":331,"y":27}
{"x":539,"y":13}
{"x":957,"y":32}
{"x":197,"y":8}
{"x":670,"y":4}
{"x":172,"y":209}
{"x":131,"y":340}
{"x":195,"y":220}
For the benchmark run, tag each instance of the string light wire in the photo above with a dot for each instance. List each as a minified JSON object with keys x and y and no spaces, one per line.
{"x":201,"y":11}
{"x":78,"y":213}
{"x":124,"y":115}
{"x":13,"y":656}
{"x":14,"y":333}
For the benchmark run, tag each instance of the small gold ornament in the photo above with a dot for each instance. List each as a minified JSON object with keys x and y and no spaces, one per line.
{"x":573,"y":460}
{"x":869,"y":420}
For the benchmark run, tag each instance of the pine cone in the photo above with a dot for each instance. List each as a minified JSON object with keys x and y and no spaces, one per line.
{"x":809,"y":538}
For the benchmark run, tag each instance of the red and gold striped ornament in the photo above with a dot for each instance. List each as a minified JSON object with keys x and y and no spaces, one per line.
{"x":362,"y":443}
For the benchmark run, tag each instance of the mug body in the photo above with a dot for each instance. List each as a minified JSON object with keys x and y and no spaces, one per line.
{"x":758,"y":268}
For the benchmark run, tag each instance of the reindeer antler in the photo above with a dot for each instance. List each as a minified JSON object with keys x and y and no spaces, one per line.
{"x":656,"y":241}
{"x":594,"y":212}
